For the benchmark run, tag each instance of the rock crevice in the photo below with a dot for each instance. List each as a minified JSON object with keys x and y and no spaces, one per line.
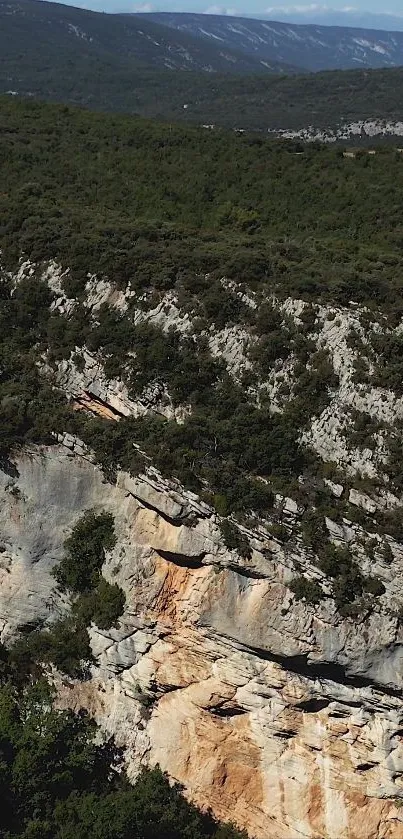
{"x":284,"y":718}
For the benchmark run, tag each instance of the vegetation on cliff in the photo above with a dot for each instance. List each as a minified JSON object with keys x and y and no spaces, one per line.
{"x":169,"y":209}
{"x":59,"y":780}
{"x":66,"y":643}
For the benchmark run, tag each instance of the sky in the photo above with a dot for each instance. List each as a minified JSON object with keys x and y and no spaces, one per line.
{"x":375,"y":14}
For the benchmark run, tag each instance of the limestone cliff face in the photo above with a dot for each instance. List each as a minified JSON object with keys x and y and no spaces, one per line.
{"x":287,"y":720}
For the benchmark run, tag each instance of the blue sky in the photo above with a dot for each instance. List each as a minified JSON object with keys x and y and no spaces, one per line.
{"x":392,"y":7}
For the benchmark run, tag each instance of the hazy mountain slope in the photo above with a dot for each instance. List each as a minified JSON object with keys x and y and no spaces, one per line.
{"x":41,"y":43}
{"x":120,"y":63}
{"x":323,"y":101}
{"x":313,"y":47}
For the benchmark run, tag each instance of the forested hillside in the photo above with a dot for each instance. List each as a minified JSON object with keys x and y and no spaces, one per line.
{"x":94,"y":190}
{"x":170,"y":209}
{"x":311,"y":46}
{"x":322,"y":100}
{"x":56,"y":46}
{"x":132,"y":64}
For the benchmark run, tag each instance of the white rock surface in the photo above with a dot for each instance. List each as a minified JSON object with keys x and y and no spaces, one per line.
{"x":345,"y":131}
{"x":90,"y":388}
{"x":284,"y":718}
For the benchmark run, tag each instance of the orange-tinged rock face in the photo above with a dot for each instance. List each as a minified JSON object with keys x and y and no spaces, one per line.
{"x":214,"y":756}
{"x":214,"y":671}
{"x":273,"y":787}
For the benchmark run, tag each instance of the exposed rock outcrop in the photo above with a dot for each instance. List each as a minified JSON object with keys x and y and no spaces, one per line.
{"x":285,"y":718}
{"x":345,"y":131}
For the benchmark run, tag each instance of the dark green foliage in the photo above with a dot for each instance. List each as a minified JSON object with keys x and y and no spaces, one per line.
{"x":388,"y":356}
{"x":361,"y":370}
{"x":59,"y":781}
{"x":103,"y":605}
{"x":274,"y":340}
{"x":394,"y":465}
{"x":307,"y":590}
{"x":387,"y":553}
{"x":226,"y":442}
{"x":308,"y":317}
{"x":374,"y":586}
{"x":349,"y":584}
{"x":220,"y":306}
{"x":154,"y":217}
{"x":313,"y":528}
{"x":339,"y":565}
{"x":116,"y":69}
{"x":313,"y":386}
{"x":234,"y":539}
{"x":184,"y":364}
{"x":178,"y":210}
{"x":361,"y":429}
{"x":29,"y":407}
{"x":79,"y":570}
{"x":280,"y":532}
{"x":77,"y":55}
{"x":66,"y":645}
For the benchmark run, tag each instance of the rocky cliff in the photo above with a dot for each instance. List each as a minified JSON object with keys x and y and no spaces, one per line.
{"x":284,"y":718}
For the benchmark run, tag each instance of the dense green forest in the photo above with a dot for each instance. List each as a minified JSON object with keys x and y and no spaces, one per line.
{"x":252,"y":102}
{"x":170,"y":208}
{"x":292,"y":101}
{"x":145,"y":202}
{"x":166,"y":208}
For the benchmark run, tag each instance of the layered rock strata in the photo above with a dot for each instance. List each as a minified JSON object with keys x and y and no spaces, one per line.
{"x":284,"y":718}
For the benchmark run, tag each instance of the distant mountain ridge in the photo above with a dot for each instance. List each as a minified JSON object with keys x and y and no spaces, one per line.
{"x":325,"y":16}
{"x":313,"y":47}
{"x":132,"y":64}
{"x":34,"y":34}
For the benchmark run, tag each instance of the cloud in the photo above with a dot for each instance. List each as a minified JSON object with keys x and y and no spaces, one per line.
{"x":289,"y":10}
{"x":144,"y":7}
{"x":221,"y":10}
{"x":310,"y":8}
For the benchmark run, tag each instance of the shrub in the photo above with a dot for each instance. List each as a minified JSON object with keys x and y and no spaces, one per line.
{"x":98,"y":601}
{"x":313,"y":528}
{"x":66,"y":645}
{"x":348,"y":583}
{"x":308,"y":317}
{"x":361,"y":429}
{"x":313,"y":385}
{"x":307,"y":590}
{"x":234,"y":539}
{"x":104,"y":605}
{"x":80,"y":568}
{"x":374,"y":586}
{"x":279,"y":532}
{"x":387,"y":553}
